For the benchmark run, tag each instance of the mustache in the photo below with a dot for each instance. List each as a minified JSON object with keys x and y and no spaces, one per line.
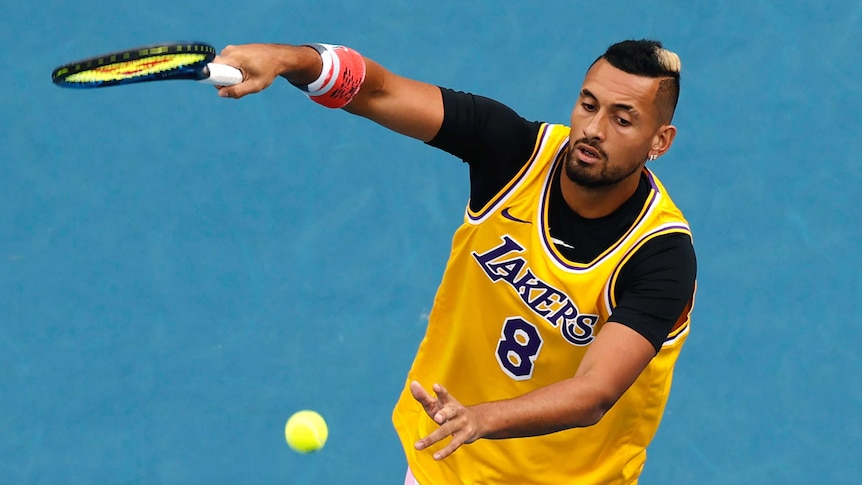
{"x":592,"y":144}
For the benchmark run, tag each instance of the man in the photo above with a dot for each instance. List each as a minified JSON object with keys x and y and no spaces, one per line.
{"x":567,"y":295}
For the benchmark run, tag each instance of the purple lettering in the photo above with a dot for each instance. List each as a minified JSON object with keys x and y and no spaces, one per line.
{"x":484,"y":259}
{"x":507,"y":270}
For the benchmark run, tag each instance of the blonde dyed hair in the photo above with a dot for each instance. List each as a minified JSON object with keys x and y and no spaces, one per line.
{"x":649,"y":58}
{"x":668,"y":60}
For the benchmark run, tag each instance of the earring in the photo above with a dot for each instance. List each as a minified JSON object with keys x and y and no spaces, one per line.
{"x":652,"y":156}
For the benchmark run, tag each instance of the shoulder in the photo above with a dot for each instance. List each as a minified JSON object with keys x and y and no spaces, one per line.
{"x":666,"y":258}
{"x":656,"y":286}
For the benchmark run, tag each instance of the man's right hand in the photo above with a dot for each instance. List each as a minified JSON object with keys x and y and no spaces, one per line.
{"x":262,"y":63}
{"x":409,"y":107}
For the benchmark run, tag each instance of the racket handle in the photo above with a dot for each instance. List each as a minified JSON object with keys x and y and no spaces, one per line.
{"x":221,"y":75}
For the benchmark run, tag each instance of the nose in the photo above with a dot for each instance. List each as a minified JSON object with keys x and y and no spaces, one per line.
{"x":595,"y":129}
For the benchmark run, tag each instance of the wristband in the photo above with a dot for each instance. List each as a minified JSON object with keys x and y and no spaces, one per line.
{"x":340,"y":78}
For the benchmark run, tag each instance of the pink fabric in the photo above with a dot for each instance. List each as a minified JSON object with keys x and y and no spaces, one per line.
{"x":410,"y":479}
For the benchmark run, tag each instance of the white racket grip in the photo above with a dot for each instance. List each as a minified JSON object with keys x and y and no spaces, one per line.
{"x":222,"y":75}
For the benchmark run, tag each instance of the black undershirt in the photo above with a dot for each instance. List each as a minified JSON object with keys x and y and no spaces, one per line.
{"x":654,"y":287}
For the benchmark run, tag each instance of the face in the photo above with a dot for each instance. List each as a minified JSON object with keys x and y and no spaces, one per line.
{"x":614,"y":127}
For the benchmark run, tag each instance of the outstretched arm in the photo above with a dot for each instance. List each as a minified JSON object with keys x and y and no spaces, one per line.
{"x":409,"y":107}
{"x":614,"y":360}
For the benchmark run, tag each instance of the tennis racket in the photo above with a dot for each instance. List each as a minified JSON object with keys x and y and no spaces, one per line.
{"x":159,"y":62}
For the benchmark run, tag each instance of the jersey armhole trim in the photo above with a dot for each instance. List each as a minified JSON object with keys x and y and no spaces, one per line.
{"x":482,"y":214}
{"x":682,"y":325}
{"x":669,"y":228}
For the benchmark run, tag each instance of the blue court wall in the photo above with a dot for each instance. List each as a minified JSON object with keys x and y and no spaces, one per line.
{"x":179,"y":272}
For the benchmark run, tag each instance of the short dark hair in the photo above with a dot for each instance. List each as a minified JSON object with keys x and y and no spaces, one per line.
{"x":650,"y":59}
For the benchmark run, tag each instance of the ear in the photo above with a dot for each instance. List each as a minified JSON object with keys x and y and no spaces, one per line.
{"x":662,"y":141}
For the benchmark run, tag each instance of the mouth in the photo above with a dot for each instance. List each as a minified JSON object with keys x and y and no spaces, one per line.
{"x":588,"y":154}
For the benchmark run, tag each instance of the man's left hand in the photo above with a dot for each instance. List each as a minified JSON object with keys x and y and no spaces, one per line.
{"x":460,"y":422}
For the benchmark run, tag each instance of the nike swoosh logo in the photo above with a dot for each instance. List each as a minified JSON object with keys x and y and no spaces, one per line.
{"x":560,"y":242}
{"x":505,"y":213}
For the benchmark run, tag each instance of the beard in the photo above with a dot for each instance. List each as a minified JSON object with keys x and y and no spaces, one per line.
{"x":595,"y":176}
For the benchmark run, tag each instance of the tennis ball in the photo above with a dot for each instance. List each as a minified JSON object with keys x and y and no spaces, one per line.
{"x":306,"y":431}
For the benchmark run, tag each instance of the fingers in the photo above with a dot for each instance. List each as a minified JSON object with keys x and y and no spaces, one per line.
{"x":454,"y":444}
{"x":459,"y":437}
{"x":439,"y":434}
{"x":249,"y":86}
{"x":454,"y":420}
{"x":426,"y":400}
{"x":236,"y":91}
{"x":435,"y":407}
{"x":445,"y":413}
{"x":458,"y":426}
{"x":247,"y":59}
{"x":448,"y":406}
{"x":442,"y":394}
{"x":229,"y":55}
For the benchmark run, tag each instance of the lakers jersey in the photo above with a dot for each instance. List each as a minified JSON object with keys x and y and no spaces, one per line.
{"x":512,"y":315}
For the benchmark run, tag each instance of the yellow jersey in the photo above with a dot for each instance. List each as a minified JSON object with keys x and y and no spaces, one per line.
{"x":512,"y":315}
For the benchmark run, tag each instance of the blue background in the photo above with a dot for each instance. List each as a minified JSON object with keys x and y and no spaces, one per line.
{"x":179,"y":273}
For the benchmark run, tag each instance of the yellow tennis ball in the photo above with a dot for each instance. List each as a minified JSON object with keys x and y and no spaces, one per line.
{"x":306,"y":431}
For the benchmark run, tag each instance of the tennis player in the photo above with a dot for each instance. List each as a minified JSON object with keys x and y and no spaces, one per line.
{"x":566,"y":299}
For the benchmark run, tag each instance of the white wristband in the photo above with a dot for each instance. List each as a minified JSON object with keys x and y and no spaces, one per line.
{"x":327,"y":72}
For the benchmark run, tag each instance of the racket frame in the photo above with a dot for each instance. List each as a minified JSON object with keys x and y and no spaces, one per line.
{"x":200,"y":70}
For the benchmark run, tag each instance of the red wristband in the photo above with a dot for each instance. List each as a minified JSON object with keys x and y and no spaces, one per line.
{"x":342,"y":76}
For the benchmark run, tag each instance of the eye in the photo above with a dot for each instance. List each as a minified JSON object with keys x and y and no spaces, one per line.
{"x":623,"y":121}
{"x":588,"y":106}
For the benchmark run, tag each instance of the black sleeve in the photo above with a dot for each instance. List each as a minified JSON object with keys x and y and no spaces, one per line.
{"x":655,"y":287}
{"x":488,"y":135}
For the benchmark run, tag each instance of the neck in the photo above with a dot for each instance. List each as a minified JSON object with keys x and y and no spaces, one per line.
{"x":595,"y":202}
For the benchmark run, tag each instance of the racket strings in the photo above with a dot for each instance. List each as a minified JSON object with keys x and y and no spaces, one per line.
{"x":147,"y":66}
